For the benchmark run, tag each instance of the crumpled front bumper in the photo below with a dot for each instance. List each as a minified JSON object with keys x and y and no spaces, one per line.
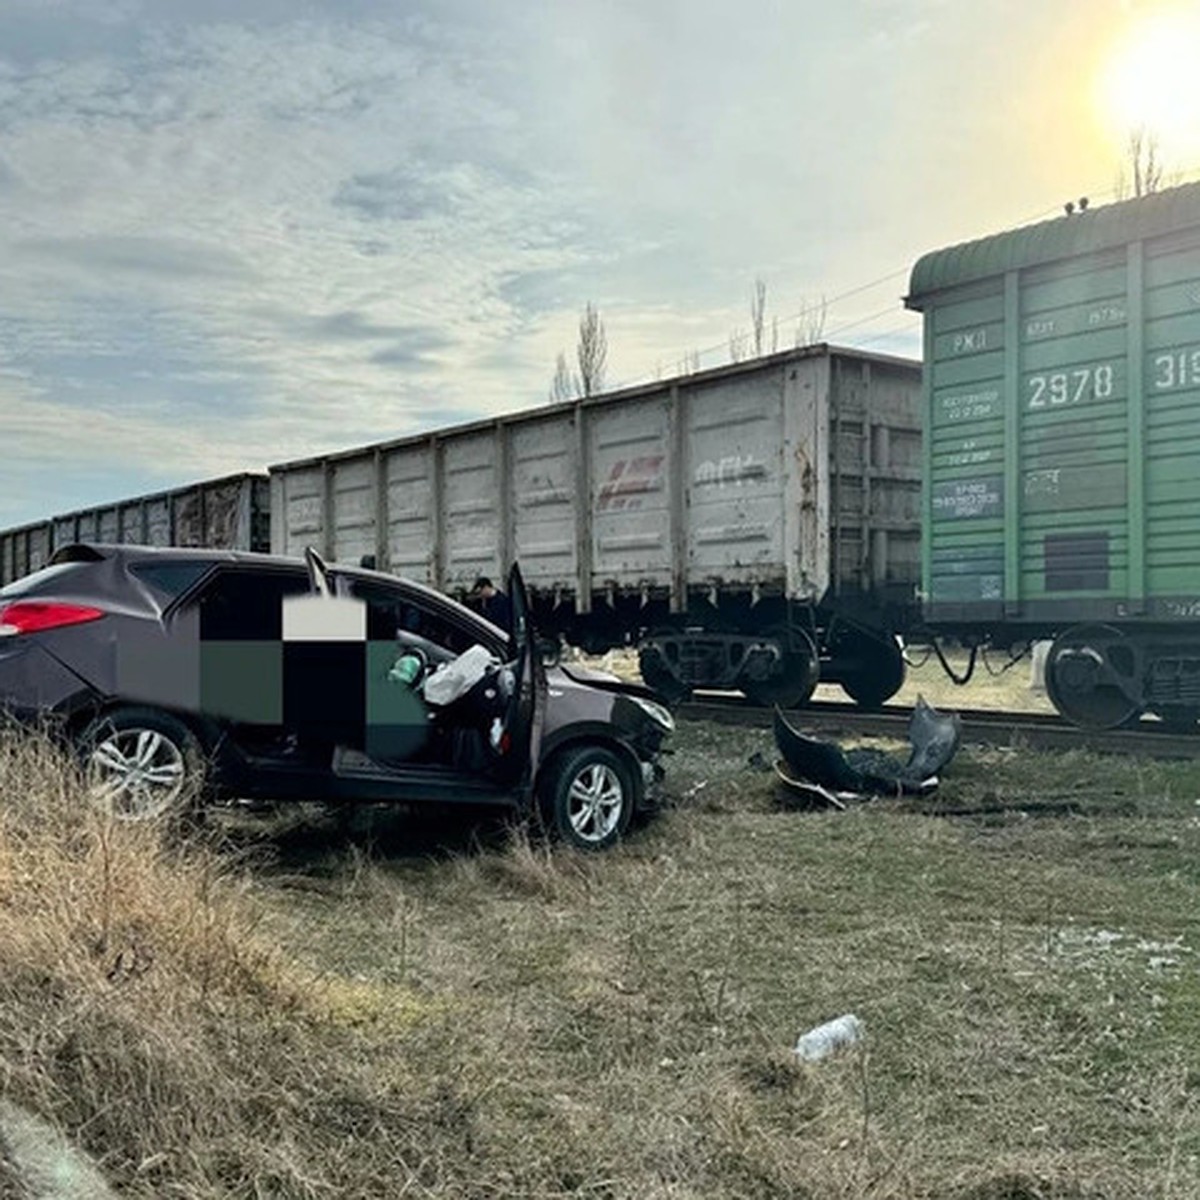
{"x":653,"y":774}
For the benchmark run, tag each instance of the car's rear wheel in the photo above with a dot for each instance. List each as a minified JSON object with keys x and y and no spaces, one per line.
{"x":141,"y":764}
{"x":589,"y":796}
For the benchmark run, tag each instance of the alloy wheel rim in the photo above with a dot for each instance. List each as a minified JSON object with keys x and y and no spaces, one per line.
{"x":137,"y":774}
{"x":596,"y":799}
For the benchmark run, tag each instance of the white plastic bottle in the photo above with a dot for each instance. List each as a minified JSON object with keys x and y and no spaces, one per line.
{"x":825,"y":1039}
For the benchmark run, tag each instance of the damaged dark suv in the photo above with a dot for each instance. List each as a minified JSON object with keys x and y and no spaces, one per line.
{"x":187,"y":675}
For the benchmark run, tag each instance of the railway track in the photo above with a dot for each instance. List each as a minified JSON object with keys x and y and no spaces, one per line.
{"x":989,"y":727}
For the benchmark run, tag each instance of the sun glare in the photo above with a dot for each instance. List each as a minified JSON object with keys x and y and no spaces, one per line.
{"x":1153,"y":83}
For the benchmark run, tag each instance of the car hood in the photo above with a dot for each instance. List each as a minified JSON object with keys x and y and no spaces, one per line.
{"x":604,"y":681}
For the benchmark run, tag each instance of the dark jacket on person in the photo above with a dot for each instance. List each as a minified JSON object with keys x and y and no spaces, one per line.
{"x":498,"y":609}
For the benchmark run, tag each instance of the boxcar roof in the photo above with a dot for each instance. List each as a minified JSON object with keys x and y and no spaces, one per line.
{"x":1064,"y":237}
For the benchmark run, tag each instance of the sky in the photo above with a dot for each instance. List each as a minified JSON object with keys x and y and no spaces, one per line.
{"x":237,"y":233}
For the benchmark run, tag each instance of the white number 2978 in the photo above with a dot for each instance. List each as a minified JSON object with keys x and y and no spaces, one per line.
{"x":1070,"y":387}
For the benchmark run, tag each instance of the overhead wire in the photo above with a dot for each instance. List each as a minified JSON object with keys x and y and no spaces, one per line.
{"x":826,"y":302}
{"x":890,"y":311}
{"x":912,"y":326}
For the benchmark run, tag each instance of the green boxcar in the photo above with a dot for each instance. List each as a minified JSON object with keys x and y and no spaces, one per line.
{"x":1062,"y":449}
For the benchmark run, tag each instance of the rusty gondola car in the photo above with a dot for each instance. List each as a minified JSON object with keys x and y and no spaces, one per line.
{"x":231,"y":513}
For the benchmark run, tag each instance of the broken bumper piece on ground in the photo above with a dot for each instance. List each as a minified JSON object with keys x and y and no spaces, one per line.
{"x":822,"y":772}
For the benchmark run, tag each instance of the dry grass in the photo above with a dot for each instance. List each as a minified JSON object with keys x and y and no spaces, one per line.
{"x":356,"y":1017}
{"x":997,"y":682}
{"x":142,"y":1010}
{"x":620,"y":1025}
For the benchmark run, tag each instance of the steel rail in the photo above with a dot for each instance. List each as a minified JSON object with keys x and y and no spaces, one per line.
{"x":989,"y":727}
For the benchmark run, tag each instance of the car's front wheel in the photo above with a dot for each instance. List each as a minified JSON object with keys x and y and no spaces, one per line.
{"x":141,"y":764}
{"x":589,"y":797}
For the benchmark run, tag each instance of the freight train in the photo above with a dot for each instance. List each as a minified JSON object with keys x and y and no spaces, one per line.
{"x":228,"y":513}
{"x":1062,"y":456}
{"x":755,"y":526}
{"x":752,"y":527}
{"x":798,"y":517}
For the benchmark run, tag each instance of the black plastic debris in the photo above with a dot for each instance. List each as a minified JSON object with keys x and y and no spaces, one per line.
{"x":823,"y":771}
{"x":934,"y":738}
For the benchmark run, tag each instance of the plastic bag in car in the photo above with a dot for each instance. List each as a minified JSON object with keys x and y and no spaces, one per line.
{"x":455,"y":679}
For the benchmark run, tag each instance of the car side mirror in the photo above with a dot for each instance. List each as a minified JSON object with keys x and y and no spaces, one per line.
{"x":549,"y":651}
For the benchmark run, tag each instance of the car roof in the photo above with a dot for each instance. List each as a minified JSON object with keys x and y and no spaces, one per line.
{"x":128,"y":552}
{"x":125,"y":552}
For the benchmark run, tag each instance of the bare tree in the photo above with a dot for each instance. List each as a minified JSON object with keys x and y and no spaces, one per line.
{"x":563,"y":386}
{"x":737,"y":346}
{"x":774,"y":334}
{"x":592,"y":351}
{"x":758,"y":314}
{"x":1142,"y":171}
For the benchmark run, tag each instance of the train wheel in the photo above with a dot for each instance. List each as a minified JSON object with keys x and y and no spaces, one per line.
{"x":658,"y":675}
{"x":1084,"y":670}
{"x":874,"y":669}
{"x":798,"y":674}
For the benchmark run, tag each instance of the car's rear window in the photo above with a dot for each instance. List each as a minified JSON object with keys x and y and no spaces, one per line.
{"x":35,"y":582}
{"x":171,"y":578}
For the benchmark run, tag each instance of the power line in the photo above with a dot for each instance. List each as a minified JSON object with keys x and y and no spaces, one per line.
{"x":883,"y":312}
{"x":907,"y":327}
{"x":801,"y":314}
{"x":1046,"y":214}
{"x":826,"y":303}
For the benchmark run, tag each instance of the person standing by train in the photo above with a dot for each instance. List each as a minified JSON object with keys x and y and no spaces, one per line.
{"x":493,"y":603}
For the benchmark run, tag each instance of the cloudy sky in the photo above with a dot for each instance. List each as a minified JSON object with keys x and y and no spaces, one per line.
{"x":233,"y":233}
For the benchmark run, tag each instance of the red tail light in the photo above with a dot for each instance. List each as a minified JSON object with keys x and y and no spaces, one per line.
{"x":32,"y":616}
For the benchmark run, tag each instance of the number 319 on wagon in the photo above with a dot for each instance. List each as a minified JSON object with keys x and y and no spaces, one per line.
{"x":1179,"y":369}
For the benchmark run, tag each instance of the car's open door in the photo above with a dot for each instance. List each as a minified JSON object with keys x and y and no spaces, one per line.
{"x":525,"y":709}
{"x":318,"y":572}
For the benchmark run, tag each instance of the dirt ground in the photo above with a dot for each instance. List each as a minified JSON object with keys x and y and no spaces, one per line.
{"x":995,"y":683}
